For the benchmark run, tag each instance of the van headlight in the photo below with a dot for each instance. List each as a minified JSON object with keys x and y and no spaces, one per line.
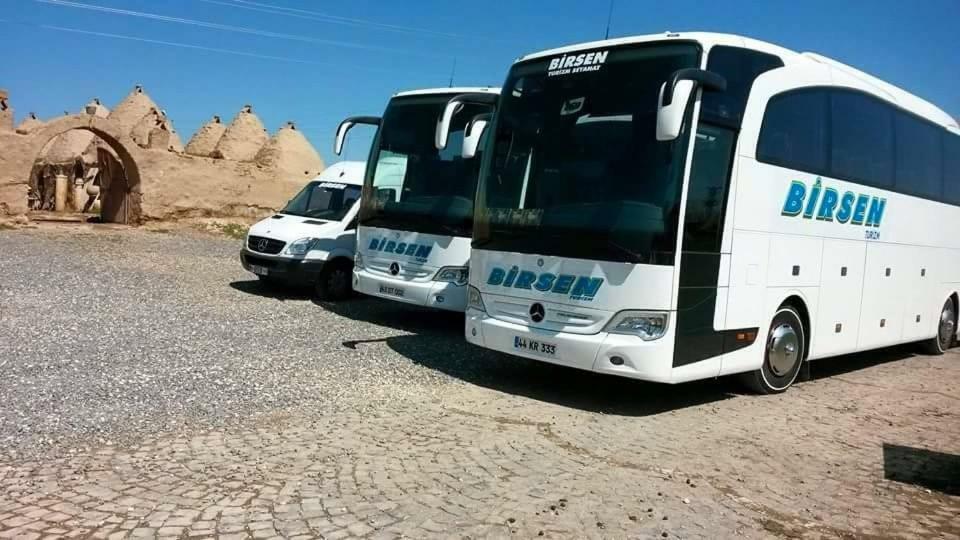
{"x":474,"y":300}
{"x":300,"y":247}
{"x":647,"y":325}
{"x":453,"y":274}
{"x":357,"y":260}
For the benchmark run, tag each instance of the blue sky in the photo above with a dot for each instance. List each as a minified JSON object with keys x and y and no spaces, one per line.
{"x":317,"y":61}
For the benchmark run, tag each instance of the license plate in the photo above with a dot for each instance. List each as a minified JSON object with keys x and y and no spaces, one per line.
{"x":259,"y":270}
{"x":534,"y":346}
{"x":392,"y":291}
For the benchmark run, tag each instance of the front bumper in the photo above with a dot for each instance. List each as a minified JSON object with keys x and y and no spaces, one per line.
{"x":434,"y":294}
{"x":646,"y":360}
{"x":292,"y":271}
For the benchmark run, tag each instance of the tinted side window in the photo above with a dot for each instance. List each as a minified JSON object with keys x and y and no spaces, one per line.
{"x":795,"y":132}
{"x":740,"y":67}
{"x":919,"y":157}
{"x":951,"y":168}
{"x":862,"y":131}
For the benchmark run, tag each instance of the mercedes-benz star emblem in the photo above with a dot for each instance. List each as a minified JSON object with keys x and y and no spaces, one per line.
{"x":537,"y":312}
{"x":394,"y":269}
{"x":262,"y":244}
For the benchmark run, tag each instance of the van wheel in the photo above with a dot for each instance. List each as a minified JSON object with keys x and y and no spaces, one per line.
{"x":782,"y":355}
{"x":946,"y":330}
{"x":334,"y":282}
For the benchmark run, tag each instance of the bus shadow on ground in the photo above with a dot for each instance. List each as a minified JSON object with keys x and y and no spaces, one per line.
{"x":927,"y":469}
{"x":567,"y":387}
{"x":275,"y":291}
{"x":433,"y":323}
{"x":848,"y":363}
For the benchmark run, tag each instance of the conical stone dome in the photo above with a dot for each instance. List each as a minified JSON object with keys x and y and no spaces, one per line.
{"x":205,"y":140}
{"x":30,"y":123}
{"x":243,"y":138}
{"x":291,"y":154}
{"x":132,"y":109}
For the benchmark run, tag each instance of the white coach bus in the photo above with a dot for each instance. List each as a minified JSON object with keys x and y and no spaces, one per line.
{"x":684,"y":206}
{"x":416,"y":212}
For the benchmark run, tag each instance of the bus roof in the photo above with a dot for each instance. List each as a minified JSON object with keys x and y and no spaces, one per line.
{"x":451,"y":90}
{"x":841,"y":74}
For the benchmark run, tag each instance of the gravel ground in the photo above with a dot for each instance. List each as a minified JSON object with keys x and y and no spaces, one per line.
{"x":149,"y":387}
{"x":110,"y":335}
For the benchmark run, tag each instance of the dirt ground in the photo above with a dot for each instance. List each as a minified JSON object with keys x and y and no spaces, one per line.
{"x":152,"y":388}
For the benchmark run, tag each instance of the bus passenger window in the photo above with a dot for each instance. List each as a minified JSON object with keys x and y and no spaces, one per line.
{"x":794,"y":131}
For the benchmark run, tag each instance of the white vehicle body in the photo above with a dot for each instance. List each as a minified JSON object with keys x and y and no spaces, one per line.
{"x":413,"y":242}
{"x":297,"y":245}
{"x":865,"y":262}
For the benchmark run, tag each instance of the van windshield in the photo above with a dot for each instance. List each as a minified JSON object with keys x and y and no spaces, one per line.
{"x":410,"y":184}
{"x":323,"y":200}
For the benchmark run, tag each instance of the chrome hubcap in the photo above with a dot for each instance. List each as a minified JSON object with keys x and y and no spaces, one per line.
{"x":782,"y":347}
{"x":947,"y":324}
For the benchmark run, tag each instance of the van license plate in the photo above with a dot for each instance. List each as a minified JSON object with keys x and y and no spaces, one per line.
{"x":534,"y":346}
{"x":259,"y":270}
{"x":392,"y":291}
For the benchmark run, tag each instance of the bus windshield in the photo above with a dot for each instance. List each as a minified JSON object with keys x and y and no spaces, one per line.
{"x":575,"y":169}
{"x":413,"y":186}
{"x":323,"y":200}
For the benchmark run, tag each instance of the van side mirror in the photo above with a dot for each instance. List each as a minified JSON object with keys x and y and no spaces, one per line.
{"x":454,"y":106}
{"x":474,"y":134}
{"x":675,"y":95}
{"x":347,"y":124}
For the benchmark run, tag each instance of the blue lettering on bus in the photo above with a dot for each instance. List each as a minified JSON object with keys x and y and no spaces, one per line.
{"x":583,"y":288}
{"x":418,"y":252}
{"x":827,"y":204}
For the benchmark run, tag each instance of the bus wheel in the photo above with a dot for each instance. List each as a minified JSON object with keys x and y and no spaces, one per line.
{"x":782,"y":355}
{"x":334,"y":282}
{"x":946,"y":329}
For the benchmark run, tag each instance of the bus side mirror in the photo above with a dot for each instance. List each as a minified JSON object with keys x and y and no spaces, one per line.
{"x":675,"y":95}
{"x":346,"y":125}
{"x":454,"y":106}
{"x":443,"y":123}
{"x":474,"y":134}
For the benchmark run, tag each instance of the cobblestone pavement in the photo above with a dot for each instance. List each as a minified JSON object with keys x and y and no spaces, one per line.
{"x":443,"y":440}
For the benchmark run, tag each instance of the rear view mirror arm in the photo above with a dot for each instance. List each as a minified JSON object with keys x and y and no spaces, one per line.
{"x":707,"y":80}
{"x":347,"y":124}
{"x":453,"y":106}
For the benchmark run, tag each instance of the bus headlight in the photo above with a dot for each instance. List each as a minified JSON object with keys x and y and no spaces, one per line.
{"x":474,"y":300}
{"x":453,"y":274}
{"x":301,"y":246}
{"x":357,"y":260}
{"x":647,"y":325}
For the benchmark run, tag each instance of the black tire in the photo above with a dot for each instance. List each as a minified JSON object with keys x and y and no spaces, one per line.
{"x":946,"y":330}
{"x":783,"y":354}
{"x":336,"y":281}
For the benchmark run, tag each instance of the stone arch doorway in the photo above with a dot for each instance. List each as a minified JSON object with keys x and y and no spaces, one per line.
{"x":117,"y":168}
